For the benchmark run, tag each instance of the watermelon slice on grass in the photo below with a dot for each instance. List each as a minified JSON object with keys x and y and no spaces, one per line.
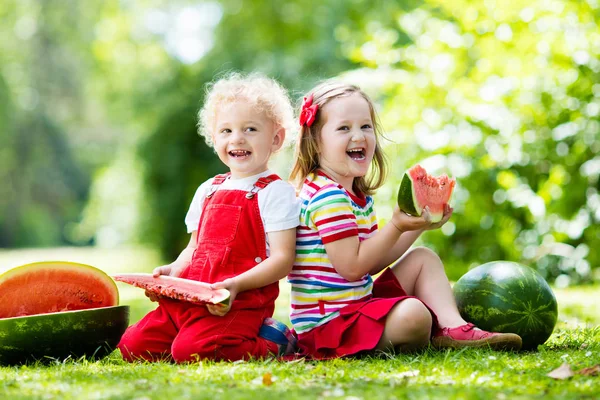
{"x":176,"y":288}
{"x":92,"y":333}
{"x":418,"y":190}
{"x":54,"y":286}
{"x":56,"y":309}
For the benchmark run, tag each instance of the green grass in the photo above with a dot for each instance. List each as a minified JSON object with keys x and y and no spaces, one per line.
{"x":464,"y":374}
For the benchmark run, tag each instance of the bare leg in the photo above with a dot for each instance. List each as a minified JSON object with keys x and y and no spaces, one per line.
{"x":407,"y":327}
{"x":421,"y":273}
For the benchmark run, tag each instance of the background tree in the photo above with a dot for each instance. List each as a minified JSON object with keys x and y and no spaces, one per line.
{"x":98,"y":103}
{"x":505,"y":97}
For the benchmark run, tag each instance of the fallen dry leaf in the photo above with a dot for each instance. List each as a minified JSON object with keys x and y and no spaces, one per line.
{"x":595,"y":370}
{"x":267,"y":379}
{"x":562,"y":372}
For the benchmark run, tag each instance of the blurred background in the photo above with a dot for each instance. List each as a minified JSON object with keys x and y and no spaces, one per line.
{"x":99,"y":156}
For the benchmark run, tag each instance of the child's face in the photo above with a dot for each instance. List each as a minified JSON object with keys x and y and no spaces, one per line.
{"x":244,"y":138}
{"x":347,"y":141}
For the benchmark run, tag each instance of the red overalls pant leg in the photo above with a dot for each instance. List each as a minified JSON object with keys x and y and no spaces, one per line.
{"x":231,"y":240}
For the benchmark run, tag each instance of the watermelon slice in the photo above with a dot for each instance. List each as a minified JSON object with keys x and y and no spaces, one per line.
{"x":92,"y":334}
{"x":176,"y":288}
{"x":54,"y":286}
{"x":418,"y":189}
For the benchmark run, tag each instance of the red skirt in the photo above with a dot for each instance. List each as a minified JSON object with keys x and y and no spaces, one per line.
{"x":359,"y":326}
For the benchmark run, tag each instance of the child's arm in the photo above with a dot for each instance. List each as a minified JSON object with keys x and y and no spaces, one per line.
{"x":402,"y":245}
{"x":182,"y":261}
{"x":277,"y":266}
{"x":353,"y":259}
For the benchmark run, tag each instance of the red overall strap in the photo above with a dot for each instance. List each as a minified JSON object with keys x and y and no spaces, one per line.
{"x":217,"y":180}
{"x":261,"y":183}
{"x":220,"y":178}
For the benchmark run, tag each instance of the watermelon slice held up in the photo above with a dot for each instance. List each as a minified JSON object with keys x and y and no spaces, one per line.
{"x":418,"y":189}
{"x":176,"y":288}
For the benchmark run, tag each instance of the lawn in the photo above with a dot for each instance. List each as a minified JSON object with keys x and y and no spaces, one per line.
{"x":465,"y":374}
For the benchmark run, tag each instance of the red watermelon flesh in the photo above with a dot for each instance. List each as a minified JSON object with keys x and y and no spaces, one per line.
{"x":176,"y":288}
{"x":418,"y":190}
{"x":54,"y":286}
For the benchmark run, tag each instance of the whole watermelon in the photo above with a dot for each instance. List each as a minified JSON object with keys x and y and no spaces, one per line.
{"x":503,"y":296}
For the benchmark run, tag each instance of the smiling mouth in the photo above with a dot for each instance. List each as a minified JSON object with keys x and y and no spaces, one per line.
{"x":239,"y":153}
{"x":357,"y":154}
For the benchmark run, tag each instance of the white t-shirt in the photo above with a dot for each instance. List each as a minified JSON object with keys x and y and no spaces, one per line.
{"x":279,"y":208}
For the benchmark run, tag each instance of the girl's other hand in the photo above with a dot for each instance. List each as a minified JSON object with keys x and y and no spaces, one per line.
{"x":220,"y":309}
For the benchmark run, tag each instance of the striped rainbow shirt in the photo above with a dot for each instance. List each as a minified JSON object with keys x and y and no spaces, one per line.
{"x":328,"y":213}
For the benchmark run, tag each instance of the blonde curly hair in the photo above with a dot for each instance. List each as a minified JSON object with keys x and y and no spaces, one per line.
{"x":264,"y":93}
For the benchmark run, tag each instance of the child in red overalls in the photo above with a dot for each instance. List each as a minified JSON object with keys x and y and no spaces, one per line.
{"x":243,"y":236}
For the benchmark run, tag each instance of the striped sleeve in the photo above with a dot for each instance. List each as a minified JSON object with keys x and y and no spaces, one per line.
{"x":330,"y":212}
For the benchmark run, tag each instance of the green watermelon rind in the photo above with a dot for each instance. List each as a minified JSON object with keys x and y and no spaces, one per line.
{"x":486,"y":302}
{"x":407,"y":200}
{"x":92,"y":333}
{"x":23,"y":269}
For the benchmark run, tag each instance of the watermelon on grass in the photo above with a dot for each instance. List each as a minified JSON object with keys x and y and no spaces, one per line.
{"x":92,"y":333}
{"x":504,"y":296}
{"x":418,"y":190}
{"x":176,"y":288}
{"x":56,"y":309}
{"x":53,"y":286}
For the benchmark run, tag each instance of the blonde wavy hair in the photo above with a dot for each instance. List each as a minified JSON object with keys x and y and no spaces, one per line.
{"x":265,"y":94}
{"x":306,"y":160}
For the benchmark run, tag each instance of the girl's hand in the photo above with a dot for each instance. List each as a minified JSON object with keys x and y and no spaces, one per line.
{"x":447,"y":214}
{"x":220,"y":309}
{"x":405,"y":223}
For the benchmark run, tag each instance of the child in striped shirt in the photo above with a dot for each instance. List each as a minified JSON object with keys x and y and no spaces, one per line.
{"x":337,"y":308}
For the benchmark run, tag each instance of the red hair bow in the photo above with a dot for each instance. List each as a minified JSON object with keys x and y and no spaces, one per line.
{"x":309,"y":111}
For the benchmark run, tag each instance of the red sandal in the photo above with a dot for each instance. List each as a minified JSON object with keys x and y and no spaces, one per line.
{"x":470,"y":336}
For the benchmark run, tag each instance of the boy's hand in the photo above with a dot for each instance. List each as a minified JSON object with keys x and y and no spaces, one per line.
{"x":220,"y":309}
{"x":169,"y":270}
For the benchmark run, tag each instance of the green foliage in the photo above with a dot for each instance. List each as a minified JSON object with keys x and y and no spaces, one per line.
{"x":43,"y":166}
{"x":505,"y":97}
